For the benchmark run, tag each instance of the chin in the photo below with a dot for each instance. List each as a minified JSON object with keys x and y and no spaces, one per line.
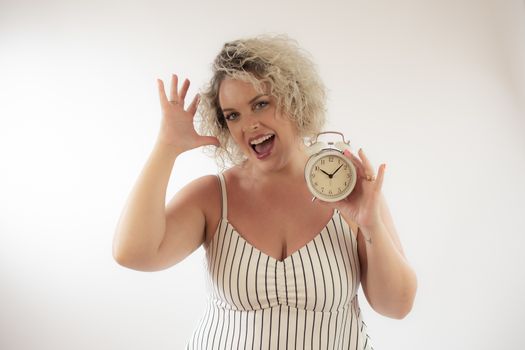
{"x":270,"y":165}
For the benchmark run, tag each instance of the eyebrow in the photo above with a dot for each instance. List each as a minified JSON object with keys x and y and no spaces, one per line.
{"x":249,"y":102}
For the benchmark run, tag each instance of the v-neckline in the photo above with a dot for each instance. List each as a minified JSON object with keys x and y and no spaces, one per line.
{"x":269,"y":257}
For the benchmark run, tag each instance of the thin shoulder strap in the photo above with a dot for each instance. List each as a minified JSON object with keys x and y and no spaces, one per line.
{"x":224,"y":208}
{"x":352,"y":226}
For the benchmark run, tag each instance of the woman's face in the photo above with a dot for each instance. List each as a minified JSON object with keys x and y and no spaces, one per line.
{"x":267,"y":138}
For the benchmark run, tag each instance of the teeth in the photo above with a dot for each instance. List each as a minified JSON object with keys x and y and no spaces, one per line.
{"x":261,"y":139}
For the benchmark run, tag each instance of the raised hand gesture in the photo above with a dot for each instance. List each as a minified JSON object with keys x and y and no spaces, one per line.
{"x":362,"y":206}
{"x":177,"y":127}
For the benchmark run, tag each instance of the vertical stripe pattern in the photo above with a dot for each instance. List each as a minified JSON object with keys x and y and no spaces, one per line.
{"x":306,"y":301}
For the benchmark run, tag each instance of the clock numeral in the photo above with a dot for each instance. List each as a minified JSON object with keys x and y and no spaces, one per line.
{"x":331,"y":159}
{"x":322,"y":161}
{"x":348,"y":175}
{"x":312,"y":175}
{"x":345,"y":167}
{"x":340,"y":190}
{"x":315,"y":183}
{"x":322,"y":189}
{"x":330,"y":192}
{"x":338,"y":161}
{"x":316,"y":168}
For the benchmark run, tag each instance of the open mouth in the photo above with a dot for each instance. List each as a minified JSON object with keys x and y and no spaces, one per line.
{"x":263,"y":147}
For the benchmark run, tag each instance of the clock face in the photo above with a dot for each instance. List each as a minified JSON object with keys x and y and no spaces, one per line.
{"x":330,"y":176}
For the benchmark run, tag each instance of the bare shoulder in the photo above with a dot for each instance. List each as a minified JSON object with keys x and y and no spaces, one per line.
{"x":199,"y":190}
{"x":204,"y":193}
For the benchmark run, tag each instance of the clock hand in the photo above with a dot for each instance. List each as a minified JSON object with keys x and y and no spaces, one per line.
{"x":329,"y":175}
{"x":336,"y":170}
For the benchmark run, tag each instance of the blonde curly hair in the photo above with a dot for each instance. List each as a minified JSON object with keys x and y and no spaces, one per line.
{"x":276,"y":62}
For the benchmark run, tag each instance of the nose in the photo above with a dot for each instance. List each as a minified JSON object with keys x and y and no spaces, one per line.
{"x":251,"y":127}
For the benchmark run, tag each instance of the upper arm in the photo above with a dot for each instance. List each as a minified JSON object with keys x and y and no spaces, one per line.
{"x":185,"y":222}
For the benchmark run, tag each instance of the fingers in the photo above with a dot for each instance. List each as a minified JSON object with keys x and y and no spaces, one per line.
{"x":162,"y":93}
{"x":183,"y":91}
{"x":380,"y":177}
{"x":178,"y":95}
{"x":357,"y":162}
{"x":370,"y":170}
{"x":192,"y":108}
{"x":364,"y":167}
{"x":173,"y":89}
{"x":368,"y":166}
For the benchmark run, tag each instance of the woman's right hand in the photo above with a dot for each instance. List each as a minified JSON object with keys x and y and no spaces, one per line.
{"x":177,"y":127}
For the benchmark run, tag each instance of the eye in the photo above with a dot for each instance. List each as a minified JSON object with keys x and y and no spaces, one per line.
{"x":230,"y":117}
{"x":260,"y":105}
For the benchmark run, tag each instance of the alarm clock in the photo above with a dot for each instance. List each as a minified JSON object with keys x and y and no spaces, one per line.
{"x":329,"y":174}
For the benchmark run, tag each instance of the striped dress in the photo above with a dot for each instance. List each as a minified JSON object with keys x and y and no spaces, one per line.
{"x":306,"y":301}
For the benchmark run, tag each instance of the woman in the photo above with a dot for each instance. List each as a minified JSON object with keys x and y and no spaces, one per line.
{"x":284,"y":270}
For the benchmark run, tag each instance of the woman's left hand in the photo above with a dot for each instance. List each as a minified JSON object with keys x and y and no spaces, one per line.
{"x":362,"y":205}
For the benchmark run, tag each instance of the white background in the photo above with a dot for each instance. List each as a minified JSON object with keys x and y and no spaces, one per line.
{"x":435,"y":89}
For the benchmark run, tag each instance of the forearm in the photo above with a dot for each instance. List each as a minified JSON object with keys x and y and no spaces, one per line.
{"x":391,"y":282}
{"x":142,"y":223}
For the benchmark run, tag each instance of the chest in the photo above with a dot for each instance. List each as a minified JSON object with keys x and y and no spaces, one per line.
{"x":323,"y":275}
{"x":277,"y":226}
